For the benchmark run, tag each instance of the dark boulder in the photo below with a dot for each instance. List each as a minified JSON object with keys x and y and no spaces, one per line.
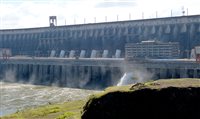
{"x":168,"y":102}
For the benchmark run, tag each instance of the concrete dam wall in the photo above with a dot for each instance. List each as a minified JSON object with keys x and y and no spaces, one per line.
{"x":109,"y":36}
{"x":71,"y":74}
{"x":92,"y":73}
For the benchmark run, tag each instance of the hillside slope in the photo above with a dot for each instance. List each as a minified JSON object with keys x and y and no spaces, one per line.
{"x":159,"y":99}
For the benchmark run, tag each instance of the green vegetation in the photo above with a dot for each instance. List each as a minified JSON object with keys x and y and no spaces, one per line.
{"x":162,"y":83}
{"x":66,"y":115}
{"x":67,"y":110}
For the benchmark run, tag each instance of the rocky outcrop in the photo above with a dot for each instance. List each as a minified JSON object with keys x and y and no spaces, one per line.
{"x":143,"y":101}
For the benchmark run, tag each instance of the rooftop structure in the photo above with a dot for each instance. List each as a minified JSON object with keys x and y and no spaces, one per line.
{"x":52,"y":21}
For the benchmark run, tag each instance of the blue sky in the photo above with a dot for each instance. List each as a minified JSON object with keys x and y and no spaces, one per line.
{"x":35,"y":13}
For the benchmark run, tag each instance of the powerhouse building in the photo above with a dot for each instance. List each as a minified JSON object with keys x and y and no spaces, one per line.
{"x":152,"y":49}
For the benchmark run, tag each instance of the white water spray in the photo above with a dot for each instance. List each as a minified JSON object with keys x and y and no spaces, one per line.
{"x":127,"y":78}
{"x":136,"y":76}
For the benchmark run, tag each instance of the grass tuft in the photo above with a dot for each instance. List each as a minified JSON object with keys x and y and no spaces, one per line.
{"x":66,"y":115}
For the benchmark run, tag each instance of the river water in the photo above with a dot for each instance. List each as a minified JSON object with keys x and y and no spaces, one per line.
{"x":15,"y":97}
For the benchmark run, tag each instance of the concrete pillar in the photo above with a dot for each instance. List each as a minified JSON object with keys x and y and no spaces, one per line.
{"x":15,"y":68}
{"x":93,"y":71}
{"x":69,"y":76}
{"x":153,"y":30}
{"x":76,"y":76}
{"x":25,"y":72}
{"x":168,"y":72}
{"x":160,"y":31}
{"x":45,"y":74}
{"x":83,"y":76}
{"x":8,"y":67}
{"x":190,"y":73}
{"x":60,"y":71}
{"x":1,"y":71}
{"x":86,"y":78}
{"x":63,"y":81}
{"x":12,"y":67}
{"x":198,"y":73}
{"x":192,"y":29}
{"x":126,"y":31}
{"x":183,"y":28}
{"x":56,"y":78}
{"x":199,"y":29}
{"x":163,"y":73}
{"x":20,"y":71}
{"x":153,"y":72}
{"x":195,"y":73}
{"x":106,"y":76}
{"x":81,"y":73}
{"x":95,"y":79}
{"x":177,"y":73}
{"x":175,"y":32}
{"x":99,"y":75}
{"x":157,"y":73}
{"x":30,"y":69}
{"x":35,"y":71}
{"x":139,"y":31}
{"x":116,"y":74}
{"x":146,"y":31}
{"x":32,"y":77}
{"x":40,"y":74}
{"x":173,"y":72}
{"x":183,"y":73}
{"x":168,"y":29}
{"x":51,"y":74}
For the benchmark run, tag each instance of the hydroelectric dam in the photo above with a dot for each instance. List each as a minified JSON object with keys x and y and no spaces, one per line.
{"x":91,"y":72}
{"x":31,"y":49}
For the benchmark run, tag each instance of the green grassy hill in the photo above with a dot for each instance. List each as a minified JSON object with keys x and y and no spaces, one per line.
{"x":163,"y":98}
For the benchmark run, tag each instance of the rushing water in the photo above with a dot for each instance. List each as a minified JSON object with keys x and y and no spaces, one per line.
{"x":136,"y":76}
{"x":14,"y":96}
{"x":127,"y":78}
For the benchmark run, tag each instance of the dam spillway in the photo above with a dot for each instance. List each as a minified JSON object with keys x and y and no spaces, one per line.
{"x":92,"y":72}
{"x":101,"y":36}
{"x":64,"y":72}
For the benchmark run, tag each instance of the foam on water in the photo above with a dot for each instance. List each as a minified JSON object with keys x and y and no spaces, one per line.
{"x":16,"y":97}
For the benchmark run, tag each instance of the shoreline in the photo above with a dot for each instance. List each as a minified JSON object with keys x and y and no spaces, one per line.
{"x":17,"y":97}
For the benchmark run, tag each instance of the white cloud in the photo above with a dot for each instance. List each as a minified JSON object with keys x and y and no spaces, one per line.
{"x":35,"y":13}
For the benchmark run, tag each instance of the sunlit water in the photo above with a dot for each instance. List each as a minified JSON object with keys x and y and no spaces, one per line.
{"x":14,"y":97}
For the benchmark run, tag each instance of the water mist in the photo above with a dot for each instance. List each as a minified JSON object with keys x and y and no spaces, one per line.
{"x":135,"y":76}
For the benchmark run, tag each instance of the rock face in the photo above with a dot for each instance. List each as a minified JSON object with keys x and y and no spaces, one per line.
{"x":168,"y":102}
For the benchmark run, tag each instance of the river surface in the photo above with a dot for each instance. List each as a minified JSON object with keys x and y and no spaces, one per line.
{"x":15,"y":97}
